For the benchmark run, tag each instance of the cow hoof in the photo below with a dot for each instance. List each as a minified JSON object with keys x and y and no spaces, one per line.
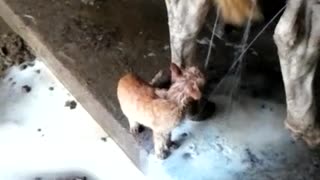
{"x":311,"y":136}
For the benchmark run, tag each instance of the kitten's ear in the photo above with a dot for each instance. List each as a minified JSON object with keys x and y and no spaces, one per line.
{"x":176,"y":72}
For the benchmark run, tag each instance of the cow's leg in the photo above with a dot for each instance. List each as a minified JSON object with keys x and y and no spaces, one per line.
{"x":297,"y":37}
{"x":185,"y":19}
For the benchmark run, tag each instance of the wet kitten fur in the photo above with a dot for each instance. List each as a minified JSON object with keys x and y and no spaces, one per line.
{"x":159,"y":109}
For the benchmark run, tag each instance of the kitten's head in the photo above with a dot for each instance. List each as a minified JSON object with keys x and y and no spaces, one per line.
{"x":189,"y":81}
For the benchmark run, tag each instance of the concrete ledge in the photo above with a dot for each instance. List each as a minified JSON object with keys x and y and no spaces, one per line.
{"x":89,"y":48}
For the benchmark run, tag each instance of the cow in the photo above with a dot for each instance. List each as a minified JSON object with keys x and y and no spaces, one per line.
{"x":297,"y":37}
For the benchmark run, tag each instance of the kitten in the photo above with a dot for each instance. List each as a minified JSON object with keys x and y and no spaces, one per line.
{"x":161,"y":110}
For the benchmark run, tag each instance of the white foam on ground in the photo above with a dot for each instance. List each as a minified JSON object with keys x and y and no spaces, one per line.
{"x":246,"y":140}
{"x":69,"y":142}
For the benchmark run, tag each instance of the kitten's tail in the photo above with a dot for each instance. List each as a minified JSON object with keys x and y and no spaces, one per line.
{"x":237,"y":12}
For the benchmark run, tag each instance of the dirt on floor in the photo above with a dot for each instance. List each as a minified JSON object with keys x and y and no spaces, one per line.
{"x":13,"y":49}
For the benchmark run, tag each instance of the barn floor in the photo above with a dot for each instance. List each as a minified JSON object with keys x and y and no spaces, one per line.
{"x":47,"y":134}
{"x":43,"y":136}
{"x":88,"y":47}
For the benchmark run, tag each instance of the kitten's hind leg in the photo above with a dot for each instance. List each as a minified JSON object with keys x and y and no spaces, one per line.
{"x":134,"y":127}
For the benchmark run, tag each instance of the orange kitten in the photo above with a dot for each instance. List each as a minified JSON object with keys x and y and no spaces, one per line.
{"x":160,"y":110}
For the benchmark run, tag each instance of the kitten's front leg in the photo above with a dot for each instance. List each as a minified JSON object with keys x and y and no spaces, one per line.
{"x":171,"y":145}
{"x":161,"y":148}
